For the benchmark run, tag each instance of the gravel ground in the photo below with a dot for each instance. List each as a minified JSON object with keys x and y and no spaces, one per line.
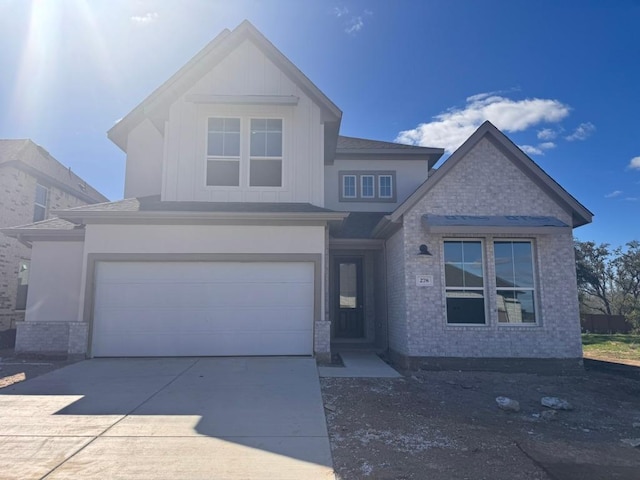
{"x":447,"y":425}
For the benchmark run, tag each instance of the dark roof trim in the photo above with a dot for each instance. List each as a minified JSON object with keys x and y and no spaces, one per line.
{"x":506,"y":224}
{"x":182,"y":217}
{"x":29,"y":235}
{"x":580,"y":214}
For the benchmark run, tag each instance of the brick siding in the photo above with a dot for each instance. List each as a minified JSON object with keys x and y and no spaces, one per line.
{"x":485,"y":182}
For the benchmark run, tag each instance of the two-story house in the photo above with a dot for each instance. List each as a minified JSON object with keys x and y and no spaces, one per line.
{"x":32,"y":184}
{"x":251,"y":227}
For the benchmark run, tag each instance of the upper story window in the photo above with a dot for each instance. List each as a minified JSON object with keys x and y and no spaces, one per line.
{"x":367,"y":186}
{"x":367,"y":189}
{"x":385,"y":186}
{"x":229,"y":164}
{"x":265,"y":167}
{"x":41,"y":203}
{"x":464,"y":281}
{"x":223,"y":152}
{"x":349,"y":189}
{"x":515,"y":290}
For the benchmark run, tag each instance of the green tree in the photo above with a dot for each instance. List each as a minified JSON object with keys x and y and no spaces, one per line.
{"x":595,"y":275}
{"x":627,"y":267}
{"x":609,"y":280}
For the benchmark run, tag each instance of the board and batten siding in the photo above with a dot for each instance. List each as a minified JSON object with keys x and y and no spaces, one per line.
{"x":245,"y":72}
{"x":145,"y":151}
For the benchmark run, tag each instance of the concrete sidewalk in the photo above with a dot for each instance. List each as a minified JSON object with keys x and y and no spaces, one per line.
{"x":223,"y":418}
{"x":360,"y":364}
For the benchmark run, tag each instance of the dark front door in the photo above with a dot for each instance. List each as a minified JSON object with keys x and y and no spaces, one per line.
{"x":349,"y":312}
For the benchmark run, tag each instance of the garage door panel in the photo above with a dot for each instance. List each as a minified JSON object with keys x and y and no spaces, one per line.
{"x":132,"y":295}
{"x":185,"y":309}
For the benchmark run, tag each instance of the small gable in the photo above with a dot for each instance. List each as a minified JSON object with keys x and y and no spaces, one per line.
{"x":486,"y":182}
{"x":490,"y":175}
{"x":245,"y":71}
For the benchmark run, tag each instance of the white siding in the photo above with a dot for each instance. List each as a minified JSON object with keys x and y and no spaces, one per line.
{"x":246,"y":71}
{"x":54,"y":282}
{"x":410,"y":174}
{"x":144,"y":161}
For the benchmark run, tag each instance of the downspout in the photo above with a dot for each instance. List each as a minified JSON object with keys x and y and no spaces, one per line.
{"x":386,"y":296}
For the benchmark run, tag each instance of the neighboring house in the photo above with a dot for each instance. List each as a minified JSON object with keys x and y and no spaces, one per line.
{"x":251,"y":227}
{"x":32,"y":184}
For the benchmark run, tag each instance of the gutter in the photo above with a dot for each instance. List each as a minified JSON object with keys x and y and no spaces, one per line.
{"x":85,"y":217}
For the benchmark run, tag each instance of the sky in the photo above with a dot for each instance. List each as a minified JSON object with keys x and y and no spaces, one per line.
{"x":560,"y":78}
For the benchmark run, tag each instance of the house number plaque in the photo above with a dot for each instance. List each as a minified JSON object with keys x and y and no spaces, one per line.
{"x":424,"y":280}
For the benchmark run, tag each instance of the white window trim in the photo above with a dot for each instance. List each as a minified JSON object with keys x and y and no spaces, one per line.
{"x":359,"y":176}
{"x":373,"y":186}
{"x":44,"y":206}
{"x":355,"y":186}
{"x":250,"y":157}
{"x":487,"y":317}
{"x":225,"y":158}
{"x":390,"y":177}
{"x":536,"y":300}
{"x":245,"y":153}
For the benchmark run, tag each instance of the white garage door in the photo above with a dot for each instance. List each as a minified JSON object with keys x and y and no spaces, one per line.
{"x":203,"y":308}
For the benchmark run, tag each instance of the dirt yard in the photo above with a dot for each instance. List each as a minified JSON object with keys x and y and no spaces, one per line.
{"x":14,"y":369}
{"x":447,"y":425}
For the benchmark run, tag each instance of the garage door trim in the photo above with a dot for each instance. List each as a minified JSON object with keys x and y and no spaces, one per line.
{"x":94,"y":258}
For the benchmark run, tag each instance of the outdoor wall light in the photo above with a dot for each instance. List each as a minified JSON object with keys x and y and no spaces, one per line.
{"x":424,"y":250}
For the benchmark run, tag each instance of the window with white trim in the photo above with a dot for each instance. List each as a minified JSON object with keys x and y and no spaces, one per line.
{"x":385,"y":186}
{"x":265,"y":165}
{"x":515,"y":289}
{"x":41,"y":203}
{"x":367,"y":189}
{"x":367,"y":186}
{"x":464,"y":282}
{"x":223,"y":152}
{"x":349,"y":186}
{"x":244,"y":152}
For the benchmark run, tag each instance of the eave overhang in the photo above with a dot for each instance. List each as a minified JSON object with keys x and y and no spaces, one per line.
{"x":201,"y":218}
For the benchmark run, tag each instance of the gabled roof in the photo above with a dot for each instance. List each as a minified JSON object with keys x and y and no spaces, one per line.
{"x":35,"y":160}
{"x":580,"y":214}
{"x":365,"y":149}
{"x":156,"y":105}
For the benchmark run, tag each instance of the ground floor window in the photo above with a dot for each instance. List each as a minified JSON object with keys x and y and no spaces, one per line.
{"x":464,"y":282}
{"x":515,"y":291}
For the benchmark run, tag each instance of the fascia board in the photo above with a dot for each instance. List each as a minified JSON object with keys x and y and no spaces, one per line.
{"x":84,"y":217}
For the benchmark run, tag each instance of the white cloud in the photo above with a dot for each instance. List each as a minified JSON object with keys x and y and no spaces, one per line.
{"x":531,"y":150}
{"x":354,"y":25}
{"x":634,"y":164}
{"x":615,"y":193}
{"x":340,"y":11}
{"x":546,"y":145}
{"x":145,"y":19}
{"x":547,"y":134}
{"x":582,"y":132}
{"x":632,"y":199}
{"x":449,"y":129}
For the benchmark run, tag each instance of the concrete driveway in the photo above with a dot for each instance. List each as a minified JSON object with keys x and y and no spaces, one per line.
{"x":174,"y":418}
